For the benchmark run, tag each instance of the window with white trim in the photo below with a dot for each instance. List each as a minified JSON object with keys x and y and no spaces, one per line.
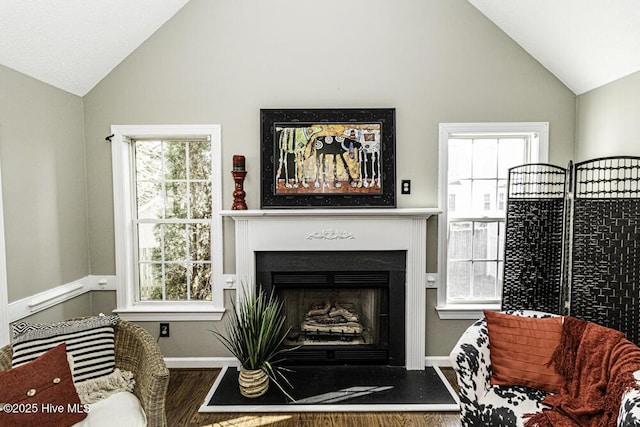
{"x":474,"y":163}
{"x":168,"y":228}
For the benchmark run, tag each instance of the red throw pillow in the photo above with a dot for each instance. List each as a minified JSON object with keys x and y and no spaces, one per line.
{"x":521,"y":349}
{"x":41,"y":393}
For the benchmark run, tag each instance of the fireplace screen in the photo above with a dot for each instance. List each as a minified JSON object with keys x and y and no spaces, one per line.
{"x":335,"y":317}
{"x":353,"y":316}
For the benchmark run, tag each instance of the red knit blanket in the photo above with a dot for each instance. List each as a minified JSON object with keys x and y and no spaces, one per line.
{"x":598,"y":365}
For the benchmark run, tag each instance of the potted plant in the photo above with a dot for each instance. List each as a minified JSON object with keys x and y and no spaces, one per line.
{"x":254,"y":334}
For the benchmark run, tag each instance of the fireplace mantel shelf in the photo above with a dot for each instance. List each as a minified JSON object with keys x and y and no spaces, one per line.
{"x":399,"y":212}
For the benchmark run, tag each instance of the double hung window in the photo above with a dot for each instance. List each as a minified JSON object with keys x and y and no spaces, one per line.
{"x":168,"y":227}
{"x":174,"y":206}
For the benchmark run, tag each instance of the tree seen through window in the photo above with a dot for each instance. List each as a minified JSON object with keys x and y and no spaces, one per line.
{"x":174,"y":210}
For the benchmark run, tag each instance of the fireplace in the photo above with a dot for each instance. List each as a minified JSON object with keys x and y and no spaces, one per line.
{"x":343,"y":307}
{"x":309,"y":232}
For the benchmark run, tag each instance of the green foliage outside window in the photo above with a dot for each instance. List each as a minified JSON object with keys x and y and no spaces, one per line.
{"x":174,"y":184}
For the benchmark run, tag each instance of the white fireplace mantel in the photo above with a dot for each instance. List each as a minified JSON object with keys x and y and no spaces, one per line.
{"x":344,"y":230}
{"x":399,"y":212}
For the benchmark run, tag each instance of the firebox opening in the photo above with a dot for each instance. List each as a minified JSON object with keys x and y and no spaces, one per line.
{"x":342,"y":307}
{"x":335,"y":316}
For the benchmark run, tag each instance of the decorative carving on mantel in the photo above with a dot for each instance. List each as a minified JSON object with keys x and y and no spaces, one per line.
{"x":331,"y":234}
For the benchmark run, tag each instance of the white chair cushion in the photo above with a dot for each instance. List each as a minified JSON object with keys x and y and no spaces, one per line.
{"x":120,"y":409}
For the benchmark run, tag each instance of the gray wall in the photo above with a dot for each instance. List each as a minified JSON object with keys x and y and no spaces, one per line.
{"x":44,"y":190}
{"x":608,"y":120}
{"x":220,"y":62}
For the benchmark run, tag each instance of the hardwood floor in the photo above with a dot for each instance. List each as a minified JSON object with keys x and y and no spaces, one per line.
{"x":189,"y":387}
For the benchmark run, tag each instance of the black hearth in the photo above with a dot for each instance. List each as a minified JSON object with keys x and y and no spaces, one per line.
{"x":345,"y":307}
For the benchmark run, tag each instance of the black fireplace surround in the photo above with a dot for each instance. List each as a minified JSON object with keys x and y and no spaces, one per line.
{"x":372,"y":282}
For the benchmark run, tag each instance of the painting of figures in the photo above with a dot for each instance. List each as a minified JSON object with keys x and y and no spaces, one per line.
{"x":342,"y":158}
{"x":325,"y":158}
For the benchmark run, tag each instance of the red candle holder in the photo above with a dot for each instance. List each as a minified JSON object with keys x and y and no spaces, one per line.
{"x":239,"y":194}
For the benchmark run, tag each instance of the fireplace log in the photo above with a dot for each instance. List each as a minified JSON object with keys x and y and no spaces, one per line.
{"x":325,"y":320}
{"x":344,"y":328}
{"x":349,"y":316}
{"x":318,"y":310}
{"x":331,"y":319}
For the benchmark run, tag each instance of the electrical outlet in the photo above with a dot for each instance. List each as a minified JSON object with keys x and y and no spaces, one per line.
{"x":405,"y":187}
{"x":164,"y":330}
{"x":432,"y":280}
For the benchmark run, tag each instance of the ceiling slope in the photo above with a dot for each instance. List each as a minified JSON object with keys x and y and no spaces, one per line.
{"x":73,"y":44}
{"x":585,"y":43}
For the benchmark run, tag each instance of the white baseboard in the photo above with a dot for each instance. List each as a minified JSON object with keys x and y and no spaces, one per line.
{"x":30,"y":305}
{"x":437,"y":361}
{"x":200,"y":362}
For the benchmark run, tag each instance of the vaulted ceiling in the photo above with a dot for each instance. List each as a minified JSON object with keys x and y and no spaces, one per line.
{"x":585,"y":43}
{"x":73,"y":44}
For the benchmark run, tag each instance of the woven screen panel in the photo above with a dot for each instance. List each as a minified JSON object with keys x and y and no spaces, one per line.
{"x":536,"y":181}
{"x":608,"y":178}
{"x":533,"y":255}
{"x":605,"y":271}
{"x":606,"y":263}
{"x":534,"y":238}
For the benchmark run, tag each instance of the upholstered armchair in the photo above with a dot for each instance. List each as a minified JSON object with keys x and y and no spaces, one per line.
{"x":483,"y":404}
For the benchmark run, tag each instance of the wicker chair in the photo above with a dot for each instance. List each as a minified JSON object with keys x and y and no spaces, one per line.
{"x":136,"y":351}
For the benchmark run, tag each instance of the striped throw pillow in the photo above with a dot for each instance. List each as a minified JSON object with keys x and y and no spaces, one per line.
{"x":89,"y":341}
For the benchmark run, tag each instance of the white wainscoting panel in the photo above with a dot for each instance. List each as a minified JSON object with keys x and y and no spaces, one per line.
{"x":30,"y":305}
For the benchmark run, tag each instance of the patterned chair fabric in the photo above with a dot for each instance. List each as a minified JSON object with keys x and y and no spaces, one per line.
{"x":482,"y":404}
{"x":629,"y":414}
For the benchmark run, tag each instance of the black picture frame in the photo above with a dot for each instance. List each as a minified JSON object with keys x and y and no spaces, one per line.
{"x":328,"y":158}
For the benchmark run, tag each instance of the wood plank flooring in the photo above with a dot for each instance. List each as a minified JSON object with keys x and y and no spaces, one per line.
{"x":189,"y":387}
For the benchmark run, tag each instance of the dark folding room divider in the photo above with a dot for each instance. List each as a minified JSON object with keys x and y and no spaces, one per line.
{"x":572,"y":241}
{"x":534,"y":238}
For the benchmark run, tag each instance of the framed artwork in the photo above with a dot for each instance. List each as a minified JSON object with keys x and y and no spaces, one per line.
{"x":324,"y":158}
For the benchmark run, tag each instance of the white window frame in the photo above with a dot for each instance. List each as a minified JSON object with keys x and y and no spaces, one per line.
{"x":446,"y":130}
{"x":124,"y":204}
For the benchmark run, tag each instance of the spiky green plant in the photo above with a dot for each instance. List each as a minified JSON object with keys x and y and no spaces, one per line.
{"x":255,"y":333}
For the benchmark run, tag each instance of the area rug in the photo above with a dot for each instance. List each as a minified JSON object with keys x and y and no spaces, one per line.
{"x":339,"y":388}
